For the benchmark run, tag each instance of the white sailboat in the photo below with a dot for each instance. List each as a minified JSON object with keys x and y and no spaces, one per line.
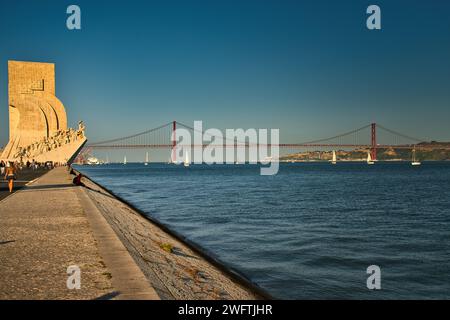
{"x":125,"y":160}
{"x":414,"y":161}
{"x":369,"y":158}
{"x":334,"y":160}
{"x":146,"y":159}
{"x":186,"y":159}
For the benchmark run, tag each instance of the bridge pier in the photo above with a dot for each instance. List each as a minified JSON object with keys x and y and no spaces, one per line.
{"x":174,"y":142}
{"x":373,"y":150}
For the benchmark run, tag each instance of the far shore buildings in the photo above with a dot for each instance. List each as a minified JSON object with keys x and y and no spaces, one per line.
{"x":37,"y":118}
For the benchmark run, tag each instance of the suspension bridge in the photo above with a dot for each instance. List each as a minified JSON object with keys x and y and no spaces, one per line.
{"x":371,"y":137}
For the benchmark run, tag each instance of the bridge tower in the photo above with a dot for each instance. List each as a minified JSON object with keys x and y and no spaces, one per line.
{"x":373,"y":150}
{"x":174,"y":141}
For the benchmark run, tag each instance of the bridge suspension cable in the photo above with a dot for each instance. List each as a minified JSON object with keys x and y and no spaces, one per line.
{"x":161,"y":137}
{"x":336,"y":137}
{"x":129,"y":137}
{"x":400,"y":134}
{"x":210,"y":135}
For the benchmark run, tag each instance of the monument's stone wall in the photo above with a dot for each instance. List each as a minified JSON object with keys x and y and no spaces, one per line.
{"x":37,"y":118}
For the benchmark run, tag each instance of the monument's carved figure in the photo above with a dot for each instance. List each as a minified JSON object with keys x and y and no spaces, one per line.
{"x":37,"y":118}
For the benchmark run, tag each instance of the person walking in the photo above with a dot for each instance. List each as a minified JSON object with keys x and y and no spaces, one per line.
{"x":10,"y":175}
{"x":2,"y":167}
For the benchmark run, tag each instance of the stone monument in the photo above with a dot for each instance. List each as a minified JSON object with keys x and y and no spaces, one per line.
{"x":37,"y":118}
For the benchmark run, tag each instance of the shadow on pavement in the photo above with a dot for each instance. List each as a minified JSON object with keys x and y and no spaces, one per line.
{"x":108,"y":296}
{"x":50,"y":186}
{"x":7,"y":241}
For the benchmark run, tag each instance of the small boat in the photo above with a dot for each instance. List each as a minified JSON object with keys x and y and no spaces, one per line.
{"x":186,"y":159}
{"x":146,"y":159}
{"x":92,"y":161}
{"x":125,"y":160}
{"x":414,"y":161}
{"x":333,"y":161}
{"x":369,"y":158}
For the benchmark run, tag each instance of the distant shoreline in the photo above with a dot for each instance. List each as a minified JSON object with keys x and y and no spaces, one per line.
{"x":360,"y":160}
{"x":280,"y":161}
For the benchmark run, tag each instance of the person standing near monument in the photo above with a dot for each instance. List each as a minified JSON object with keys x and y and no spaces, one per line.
{"x":10,"y":175}
{"x":2,"y":167}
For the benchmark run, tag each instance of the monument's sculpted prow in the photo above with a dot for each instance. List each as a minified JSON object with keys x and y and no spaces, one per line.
{"x":37,"y":118}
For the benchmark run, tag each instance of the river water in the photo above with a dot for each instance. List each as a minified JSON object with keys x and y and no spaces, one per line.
{"x":311,"y":231}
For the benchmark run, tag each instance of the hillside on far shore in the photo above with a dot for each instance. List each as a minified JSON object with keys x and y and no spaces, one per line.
{"x":431,"y":151}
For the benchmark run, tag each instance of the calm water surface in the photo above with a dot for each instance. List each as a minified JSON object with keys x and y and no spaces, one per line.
{"x":311,"y":231}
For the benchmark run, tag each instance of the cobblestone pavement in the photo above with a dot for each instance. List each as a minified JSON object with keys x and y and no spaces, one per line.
{"x":43,"y":231}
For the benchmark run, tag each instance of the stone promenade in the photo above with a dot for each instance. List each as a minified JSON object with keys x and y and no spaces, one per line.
{"x":51,"y":225}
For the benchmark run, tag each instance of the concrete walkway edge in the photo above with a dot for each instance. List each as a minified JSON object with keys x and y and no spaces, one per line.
{"x":127,"y":277}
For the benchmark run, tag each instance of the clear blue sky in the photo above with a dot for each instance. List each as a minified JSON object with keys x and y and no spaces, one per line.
{"x":310,"y":68}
